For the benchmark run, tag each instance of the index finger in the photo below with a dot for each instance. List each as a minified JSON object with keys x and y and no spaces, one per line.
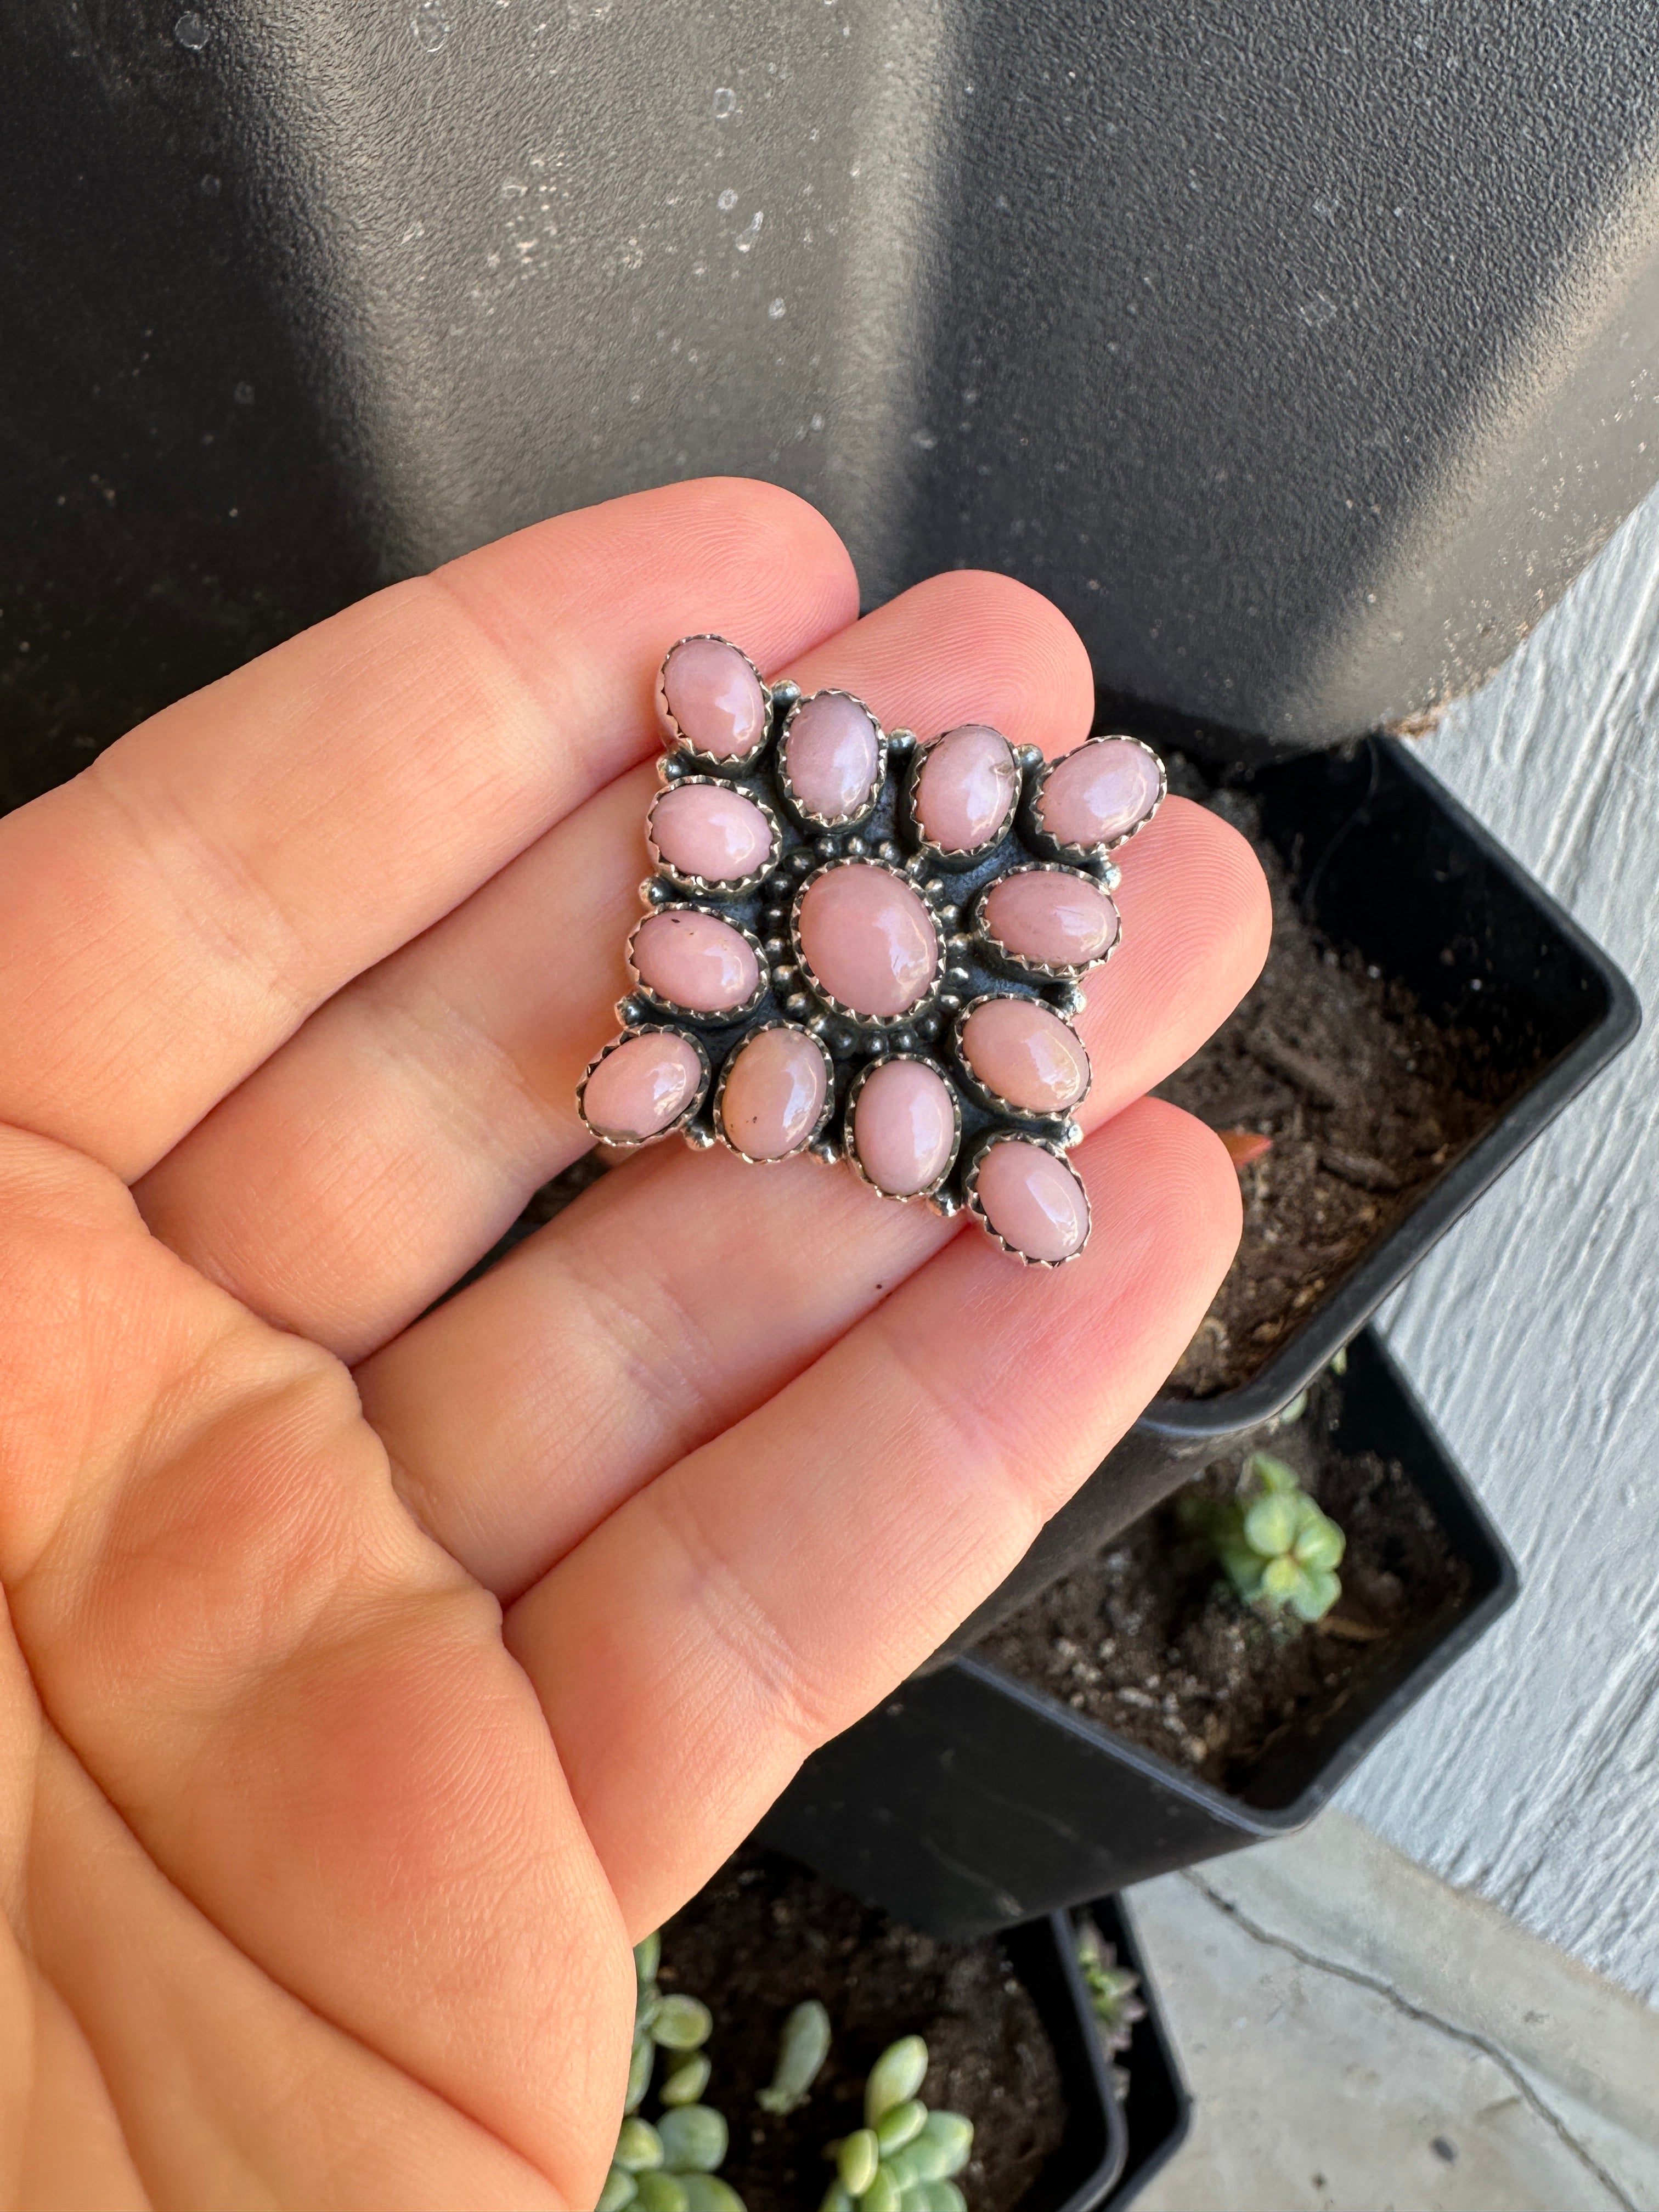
{"x":173,"y":914}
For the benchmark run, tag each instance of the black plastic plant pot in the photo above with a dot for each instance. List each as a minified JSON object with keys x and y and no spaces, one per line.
{"x":1092,"y":2153}
{"x":1158,"y":2109}
{"x":786,"y":1935}
{"x":1383,"y":859}
{"x":970,"y":1799}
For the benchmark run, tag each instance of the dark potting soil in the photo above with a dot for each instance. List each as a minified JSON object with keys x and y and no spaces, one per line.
{"x":765,"y":1935}
{"x":1150,"y":1640}
{"x":1365,"y":1098}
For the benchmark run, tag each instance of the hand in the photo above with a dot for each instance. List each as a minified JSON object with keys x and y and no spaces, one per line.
{"x":371,"y":1680}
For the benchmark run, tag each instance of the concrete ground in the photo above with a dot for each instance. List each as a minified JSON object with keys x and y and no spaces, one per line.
{"x":1359,"y":2037}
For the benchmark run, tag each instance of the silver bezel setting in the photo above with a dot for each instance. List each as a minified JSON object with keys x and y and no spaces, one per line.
{"x":725,"y":1016}
{"x":809,"y":1142}
{"x":887,"y":1026}
{"x":1058,"y":971}
{"x":711,"y":887}
{"x":818,"y":823}
{"x":849,"y":1148}
{"x":1042,"y":839}
{"x":970,"y":1192}
{"x":669,"y":1129}
{"x":719,"y":765}
{"x":967,"y":856}
{"x":993,"y":1099}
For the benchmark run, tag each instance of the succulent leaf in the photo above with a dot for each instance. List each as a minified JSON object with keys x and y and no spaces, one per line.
{"x":802,"y":2049}
{"x":884,"y":2194}
{"x":686,"y":2084}
{"x":620,"y":2188}
{"x":644,"y":2057}
{"x":638,"y":2146}
{"x":656,"y":2191}
{"x":681,"y":2023}
{"x":856,"y":2161}
{"x":951,"y":2136}
{"x":707,"y":2192}
{"x":1273,"y":1473}
{"x":895,"y":2128}
{"x":648,"y":1954}
{"x":895,"y":2078}
{"x":1270,"y":1524}
{"x":694,"y":2138}
{"x":935,"y":2196}
{"x":1321,"y":1544}
{"x":1319,"y":1592}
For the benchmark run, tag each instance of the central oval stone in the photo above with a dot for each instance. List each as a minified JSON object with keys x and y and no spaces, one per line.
{"x":869,"y":938}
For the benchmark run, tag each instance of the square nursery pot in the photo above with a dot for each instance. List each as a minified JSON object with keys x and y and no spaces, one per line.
{"x":971,"y":1800}
{"x":1158,"y":2108}
{"x":1384,"y":860}
{"x":828,"y":1930}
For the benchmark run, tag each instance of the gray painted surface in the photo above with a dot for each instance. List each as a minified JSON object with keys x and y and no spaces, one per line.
{"x":1531,"y":1774}
{"x":1360,"y":2038}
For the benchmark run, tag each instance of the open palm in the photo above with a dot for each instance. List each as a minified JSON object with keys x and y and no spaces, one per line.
{"x":371,"y":1680}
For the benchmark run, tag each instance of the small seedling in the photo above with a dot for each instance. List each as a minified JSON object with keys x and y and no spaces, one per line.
{"x":904,"y":2158}
{"x":1112,"y":1999}
{"x":670,"y":2167}
{"x":1277,"y":1550}
{"x":802,"y":2049}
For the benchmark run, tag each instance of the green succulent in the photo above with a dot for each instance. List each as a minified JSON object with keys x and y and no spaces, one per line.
{"x":1276,"y":1548}
{"x":670,"y":2167}
{"x":904,"y":2158}
{"x":1112,"y":1999}
{"x":802,"y":2049}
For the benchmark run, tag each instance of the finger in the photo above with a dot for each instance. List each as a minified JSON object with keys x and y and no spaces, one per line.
{"x":171,"y":915}
{"x":359,"y":1173}
{"x":756,"y":1598}
{"x":681,"y":1293}
{"x":295,"y":1703}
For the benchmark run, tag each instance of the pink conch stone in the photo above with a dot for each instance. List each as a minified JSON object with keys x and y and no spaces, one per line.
{"x":713,"y":696}
{"x":832,"y":757}
{"x":1064,"y":922}
{"x":966,"y":789}
{"x":773,"y":1094}
{"x":695,"y":960}
{"x":704,"y":829}
{"x":1099,"y":792}
{"x":1033,"y":1201}
{"x":635,"y":1091}
{"x":1026,"y":1054}
{"x":869,"y":938}
{"x":903,"y":1128}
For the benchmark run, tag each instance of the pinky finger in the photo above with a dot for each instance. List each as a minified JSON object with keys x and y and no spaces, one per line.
{"x":761,"y":1594}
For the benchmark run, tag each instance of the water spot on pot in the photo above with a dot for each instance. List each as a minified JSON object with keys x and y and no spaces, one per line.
{"x":726,"y":102}
{"x":431,"y":25}
{"x":191,"y":32}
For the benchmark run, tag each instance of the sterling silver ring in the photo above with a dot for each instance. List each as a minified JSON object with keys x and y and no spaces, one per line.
{"x":871,"y":949}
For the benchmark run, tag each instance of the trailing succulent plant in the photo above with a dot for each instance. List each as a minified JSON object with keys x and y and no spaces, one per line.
{"x":903,"y":2155}
{"x":869,"y":948}
{"x":1276,"y":1549}
{"x":1112,"y":1999}
{"x":670,"y":2165}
